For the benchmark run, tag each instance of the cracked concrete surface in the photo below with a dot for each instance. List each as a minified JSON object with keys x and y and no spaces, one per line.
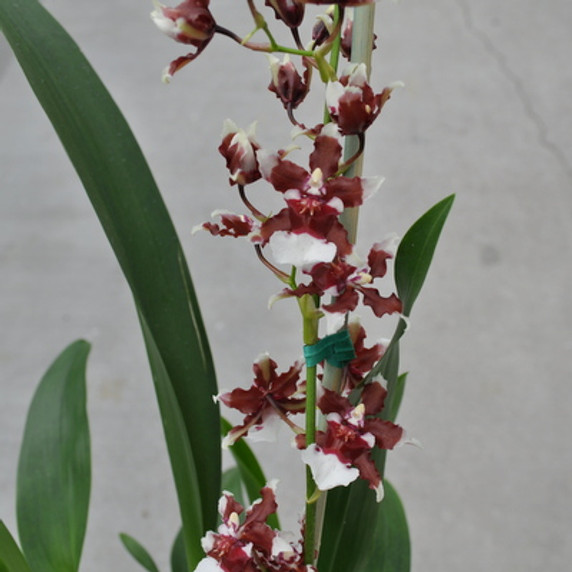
{"x":519,"y":86}
{"x":485,"y":113}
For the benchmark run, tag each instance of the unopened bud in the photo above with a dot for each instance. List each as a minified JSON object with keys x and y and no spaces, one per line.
{"x":287,"y":83}
{"x":291,"y":12}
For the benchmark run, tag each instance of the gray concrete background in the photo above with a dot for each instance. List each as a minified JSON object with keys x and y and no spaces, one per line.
{"x":486,"y":113}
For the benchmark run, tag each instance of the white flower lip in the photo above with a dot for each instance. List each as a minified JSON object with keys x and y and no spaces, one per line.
{"x":300,"y":249}
{"x":328,"y":471}
{"x":208,"y":564}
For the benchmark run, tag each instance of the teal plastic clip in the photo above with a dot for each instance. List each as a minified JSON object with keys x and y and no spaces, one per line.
{"x":337,"y":349}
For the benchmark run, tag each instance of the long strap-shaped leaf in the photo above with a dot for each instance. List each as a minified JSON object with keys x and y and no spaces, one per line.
{"x":391,"y":548}
{"x":54,"y":469}
{"x":131,"y":210}
{"x":11,"y":557}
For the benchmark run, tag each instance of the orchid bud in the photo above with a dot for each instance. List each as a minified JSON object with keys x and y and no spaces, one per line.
{"x":239,"y":148}
{"x":347,"y":36}
{"x":287,"y":83}
{"x":291,"y":12}
{"x":323,"y":27}
{"x":189,"y":23}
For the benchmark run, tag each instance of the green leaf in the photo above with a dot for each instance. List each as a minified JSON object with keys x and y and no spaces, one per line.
{"x":250,"y":470}
{"x":416,"y":250}
{"x":178,"y":445}
{"x":54,"y":469}
{"x":126,"y":199}
{"x":232,"y":482}
{"x":391,"y":549}
{"x":11,"y":558}
{"x":178,"y":555}
{"x":348,"y":527}
{"x":361,"y":534}
{"x":388,"y":368}
{"x":398,"y":391}
{"x":138,"y":552}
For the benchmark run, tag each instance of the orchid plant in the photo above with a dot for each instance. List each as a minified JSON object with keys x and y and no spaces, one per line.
{"x":339,"y":402}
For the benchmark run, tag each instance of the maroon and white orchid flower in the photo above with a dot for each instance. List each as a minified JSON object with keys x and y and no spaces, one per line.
{"x":308,"y":231}
{"x":342,"y":452}
{"x":231,"y":225}
{"x":345,"y":281}
{"x":272,"y":396}
{"x":250,"y":545}
{"x":351,"y":101}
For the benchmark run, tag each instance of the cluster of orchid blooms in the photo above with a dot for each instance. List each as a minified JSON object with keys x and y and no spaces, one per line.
{"x":324,"y":273}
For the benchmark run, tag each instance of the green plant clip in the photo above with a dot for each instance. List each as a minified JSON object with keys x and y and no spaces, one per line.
{"x":337,"y":349}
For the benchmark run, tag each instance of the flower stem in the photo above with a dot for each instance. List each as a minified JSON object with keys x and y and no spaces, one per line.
{"x":345,"y":167}
{"x":262,"y":47}
{"x":255,"y":212}
{"x":276,"y":271}
{"x":310,"y":323}
{"x":335,"y":55}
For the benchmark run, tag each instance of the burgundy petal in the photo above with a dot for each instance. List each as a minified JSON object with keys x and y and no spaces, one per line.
{"x":373,"y":396}
{"x":349,"y":191}
{"x":261,"y":510}
{"x":332,"y":402}
{"x":288,"y":175}
{"x":231,"y":505}
{"x":285,"y":384}
{"x":367,"y":470}
{"x":328,"y":275}
{"x":302,"y":290}
{"x":326,"y":155}
{"x":280,"y":221}
{"x":346,"y":302}
{"x":379,"y":304}
{"x":386,"y":433}
{"x":353,"y":116}
{"x":377,"y":262}
{"x":245,"y":400}
{"x":339,"y":236}
{"x":232,"y":225}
